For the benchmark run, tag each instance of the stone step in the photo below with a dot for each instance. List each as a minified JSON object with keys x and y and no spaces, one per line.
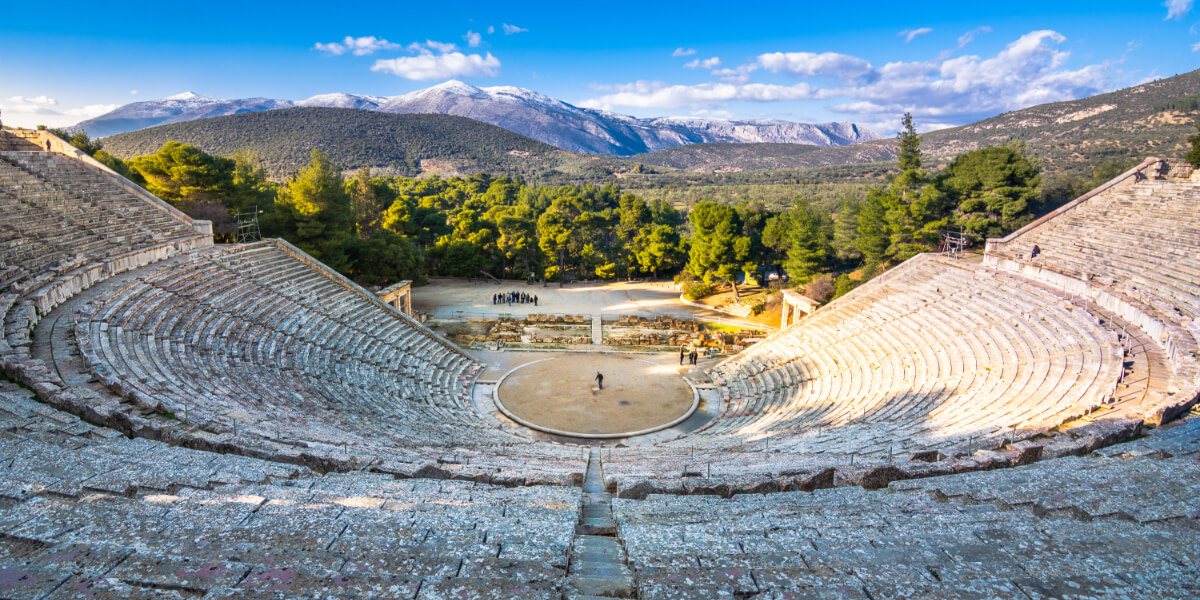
{"x":597,"y":564}
{"x":604,"y":587}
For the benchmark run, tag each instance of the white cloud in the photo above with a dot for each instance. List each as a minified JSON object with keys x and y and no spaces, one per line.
{"x":22,"y":111}
{"x":1028,"y":71}
{"x":444,"y":66}
{"x":657,"y":94}
{"x":1196,"y":47}
{"x":31,"y":103}
{"x":360,"y":46}
{"x":910,"y":34}
{"x":941,"y":92}
{"x":473,"y":39}
{"x":707,"y":63}
{"x":683,"y":52}
{"x":739,"y":74}
{"x":1177,"y":9}
{"x":970,"y":36}
{"x":491,"y":29}
{"x":511,"y":29}
{"x":809,"y":64}
{"x":713,"y":114}
{"x":89,"y":111}
{"x":134,"y":92}
{"x":441,"y":47}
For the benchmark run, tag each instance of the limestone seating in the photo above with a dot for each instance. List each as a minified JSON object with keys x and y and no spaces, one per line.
{"x":86,"y":513}
{"x":886,"y":340}
{"x":1134,"y":249}
{"x":295,"y":356}
{"x":1083,"y":527}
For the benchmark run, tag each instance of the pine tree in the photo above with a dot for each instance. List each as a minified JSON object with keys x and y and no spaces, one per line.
{"x":910,"y":146}
{"x":365,"y":204}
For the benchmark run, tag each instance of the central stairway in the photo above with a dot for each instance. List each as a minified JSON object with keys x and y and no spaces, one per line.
{"x":598,"y":566}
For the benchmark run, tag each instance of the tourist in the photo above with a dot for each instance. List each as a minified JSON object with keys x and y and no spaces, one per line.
{"x":1033,"y":253}
{"x":535,"y":299}
{"x":599,"y":380}
{"x":694,"y":356}
{"x":47,"y":145}
{"x":681,"y":349}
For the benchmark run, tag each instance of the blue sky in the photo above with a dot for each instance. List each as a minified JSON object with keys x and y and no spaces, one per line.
{"x":949,"y":63}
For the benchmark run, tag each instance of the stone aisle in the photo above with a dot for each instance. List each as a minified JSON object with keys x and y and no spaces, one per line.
{"x":598,"y":566}
{"x":597,"y":330}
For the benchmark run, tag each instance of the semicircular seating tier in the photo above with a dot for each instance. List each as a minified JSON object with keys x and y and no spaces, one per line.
{"x":61,"y":218}
{"x":1133,"y":247}
{"x":310,"y":368}
{"x":260,"y":346}
{"x":934,"y":356}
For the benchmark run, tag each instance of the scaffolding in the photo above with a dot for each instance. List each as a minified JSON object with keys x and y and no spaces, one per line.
{"x":955,"y":242}
{"x":247,"y":226}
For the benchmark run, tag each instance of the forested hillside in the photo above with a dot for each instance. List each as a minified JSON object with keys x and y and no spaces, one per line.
{"x":398,"y":144}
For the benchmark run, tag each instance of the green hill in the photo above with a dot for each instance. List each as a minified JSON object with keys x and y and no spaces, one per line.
{"x":408,"y":144}
{"x":1152,"y":119}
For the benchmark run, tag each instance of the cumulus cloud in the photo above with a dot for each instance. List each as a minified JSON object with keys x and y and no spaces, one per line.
{"x":491,"y":29}
{"x":707,"y":63}
{"x":740,"y":74}
{"x":1177,"y":9}
{"x":713,"y":114}
{"x":36,"y":102}
{"x":911,"y":34}
{"x":428,"y":65}
{"x":473,"y":39}
{"x":943,"y":91}
{"x":970,"y":36}
{"x":810,"y":64}
{"x":359,"y":46}
{"x":511,"y":29}
{"x":25,"y":111}
{"x":1028,"y":71}
{"x":658,"y":94}
{"x":683,"y":52}
{"x":441,"y":47}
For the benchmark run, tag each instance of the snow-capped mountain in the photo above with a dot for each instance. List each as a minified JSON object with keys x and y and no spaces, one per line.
{"x":520,"y":110}
{"x":138,"y":115}
{"x":340,"y":100}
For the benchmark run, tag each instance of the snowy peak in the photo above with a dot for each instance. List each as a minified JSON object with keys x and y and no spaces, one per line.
{"x":340,"y":100}
{"x":188,"y":96}
{"x":517,"y":109}
{"x":454,"y":86}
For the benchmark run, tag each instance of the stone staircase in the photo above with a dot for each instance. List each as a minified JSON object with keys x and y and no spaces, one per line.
{"x":598,"y":566}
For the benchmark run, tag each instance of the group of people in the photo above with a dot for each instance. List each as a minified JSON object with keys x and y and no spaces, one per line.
{"x":514,"y":298}
{"x":692,"y":356}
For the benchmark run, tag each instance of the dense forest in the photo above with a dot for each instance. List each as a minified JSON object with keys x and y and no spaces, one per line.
{"x":380,"y":228}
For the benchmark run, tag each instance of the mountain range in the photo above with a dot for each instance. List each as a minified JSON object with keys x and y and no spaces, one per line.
{"x":1127,"y":125}
{"x":522,"y":111}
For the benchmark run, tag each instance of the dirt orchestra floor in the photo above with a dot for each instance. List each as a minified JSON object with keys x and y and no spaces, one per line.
{"x":559,"y":393}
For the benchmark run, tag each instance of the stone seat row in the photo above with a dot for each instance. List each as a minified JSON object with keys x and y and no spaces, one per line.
{"x":86,"y":513}
{"x":913,"y":358}
{"x":1115,"y":235}
{"x":1070,"y":527}
{"x":275,"y":352}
